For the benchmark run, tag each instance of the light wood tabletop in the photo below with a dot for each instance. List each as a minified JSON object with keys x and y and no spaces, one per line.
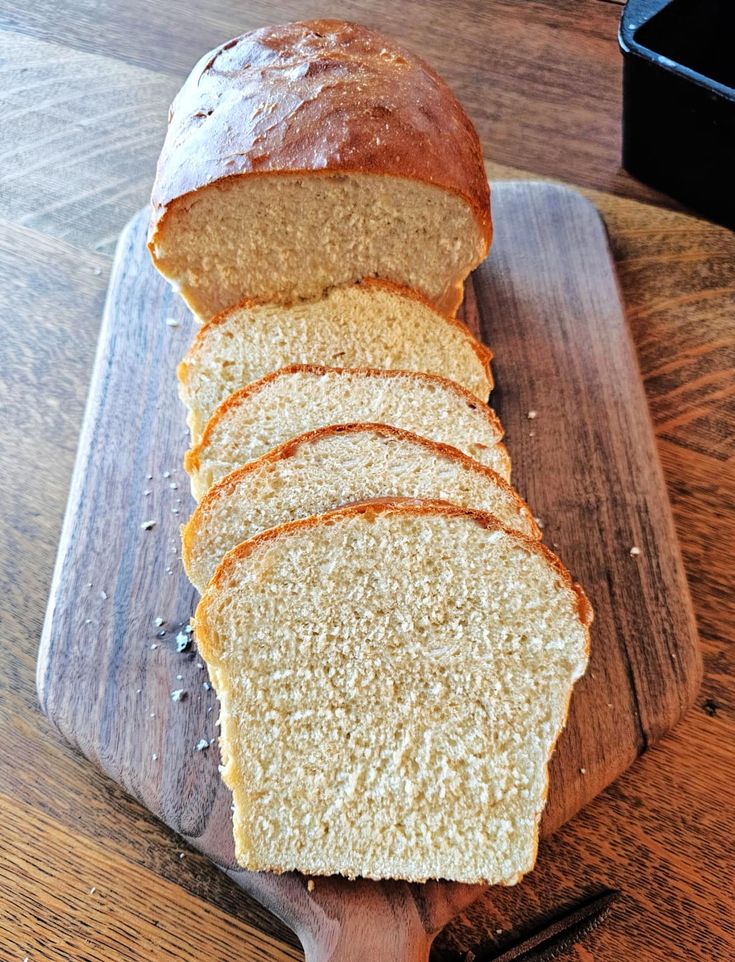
{"x":86,"y":873}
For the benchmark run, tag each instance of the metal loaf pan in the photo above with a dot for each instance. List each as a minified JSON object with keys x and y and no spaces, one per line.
{"x":679,"y":100}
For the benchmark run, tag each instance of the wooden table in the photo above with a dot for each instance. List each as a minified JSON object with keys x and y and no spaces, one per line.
{"x":85,"y":873}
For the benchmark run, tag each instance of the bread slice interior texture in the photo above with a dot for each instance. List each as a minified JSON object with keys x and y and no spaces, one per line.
{"x":290,"y":236}
{"x":393,"y":678}
{"x":334,"y":466}
{"x":301,"y":398}
{"x":373,"y":324}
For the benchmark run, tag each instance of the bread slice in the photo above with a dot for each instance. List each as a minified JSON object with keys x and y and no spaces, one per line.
{"x":314,"y":154}
{"x":334,"y":466}
{"x":373,"y":324}
{"x":392,"y":677}
{"x":300,"y":398}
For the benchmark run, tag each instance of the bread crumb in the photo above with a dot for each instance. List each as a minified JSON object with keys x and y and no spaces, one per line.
{"x":531,"y":434}
{"x":149,"y":477}
{"x":153,"y":647}
{"x":635,"y":551}
{"x":158,"y":622}
{"x":103,"y":595}
{"x":178,"y":695}
{"x":172,"y":322}
{"x":182,"y":642}
{"x":153,"y":714}
{"x":189,"y":629}
{"x":583,"y":771}
{"x":147,"y":525}
{"x":167,"y":474}
{"x":154,"y":756}
{"x":87,"y":621}
{"x":173,"y":485}
{"x":202,"y":744}
{"x":532,"y":415}
{"x":539,"y":522}
{"x":179,"y":678}
{"x":206,"y":686}
{"x":310,"y":886}
{"x":182,"y":854}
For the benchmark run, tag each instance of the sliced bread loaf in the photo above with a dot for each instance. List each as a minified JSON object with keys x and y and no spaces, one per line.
{"x":301,"y":398}
{"x":334,"y":466}
{"x":373,"y":324}
{"x":393,"y":677}
{"x":312,"y":154}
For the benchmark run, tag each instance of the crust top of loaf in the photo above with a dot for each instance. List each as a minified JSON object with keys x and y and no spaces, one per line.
{"x":323,"y":96}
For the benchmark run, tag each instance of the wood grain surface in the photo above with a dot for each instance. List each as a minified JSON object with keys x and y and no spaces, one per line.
{"x":587,"y":463}
{"x":84,"y":123}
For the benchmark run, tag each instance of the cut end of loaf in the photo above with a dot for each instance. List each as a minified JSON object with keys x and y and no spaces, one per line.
{"x":392,"y":720}
{"x":285,"y":237}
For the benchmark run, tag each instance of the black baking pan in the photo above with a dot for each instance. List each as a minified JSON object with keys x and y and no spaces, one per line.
{"x":679,"y":100}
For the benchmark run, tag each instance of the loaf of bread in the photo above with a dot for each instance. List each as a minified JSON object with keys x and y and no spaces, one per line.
{"x":301,"y":398}
{"x":393,"y":648}
{"x":316,"y":154}
{"x":335,"y":466}
{"x":392,"y":678}
{"x":372,"y":324}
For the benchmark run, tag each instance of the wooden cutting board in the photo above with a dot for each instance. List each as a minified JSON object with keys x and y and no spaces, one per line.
{"x":547,"y":301}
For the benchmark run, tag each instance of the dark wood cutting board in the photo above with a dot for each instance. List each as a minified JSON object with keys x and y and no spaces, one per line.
{"x":547,"y":302}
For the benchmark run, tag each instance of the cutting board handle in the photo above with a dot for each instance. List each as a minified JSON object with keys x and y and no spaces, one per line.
{"x":369,"y":922}
{"x":361,"y":943}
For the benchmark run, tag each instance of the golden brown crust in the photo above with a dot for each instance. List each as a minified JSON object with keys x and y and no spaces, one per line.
{"x":482,"y":351}
{"x":323,"y":97}
{"x":192,"y":458}
{"x":289,"y":448}
{"x":369,"y":510}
